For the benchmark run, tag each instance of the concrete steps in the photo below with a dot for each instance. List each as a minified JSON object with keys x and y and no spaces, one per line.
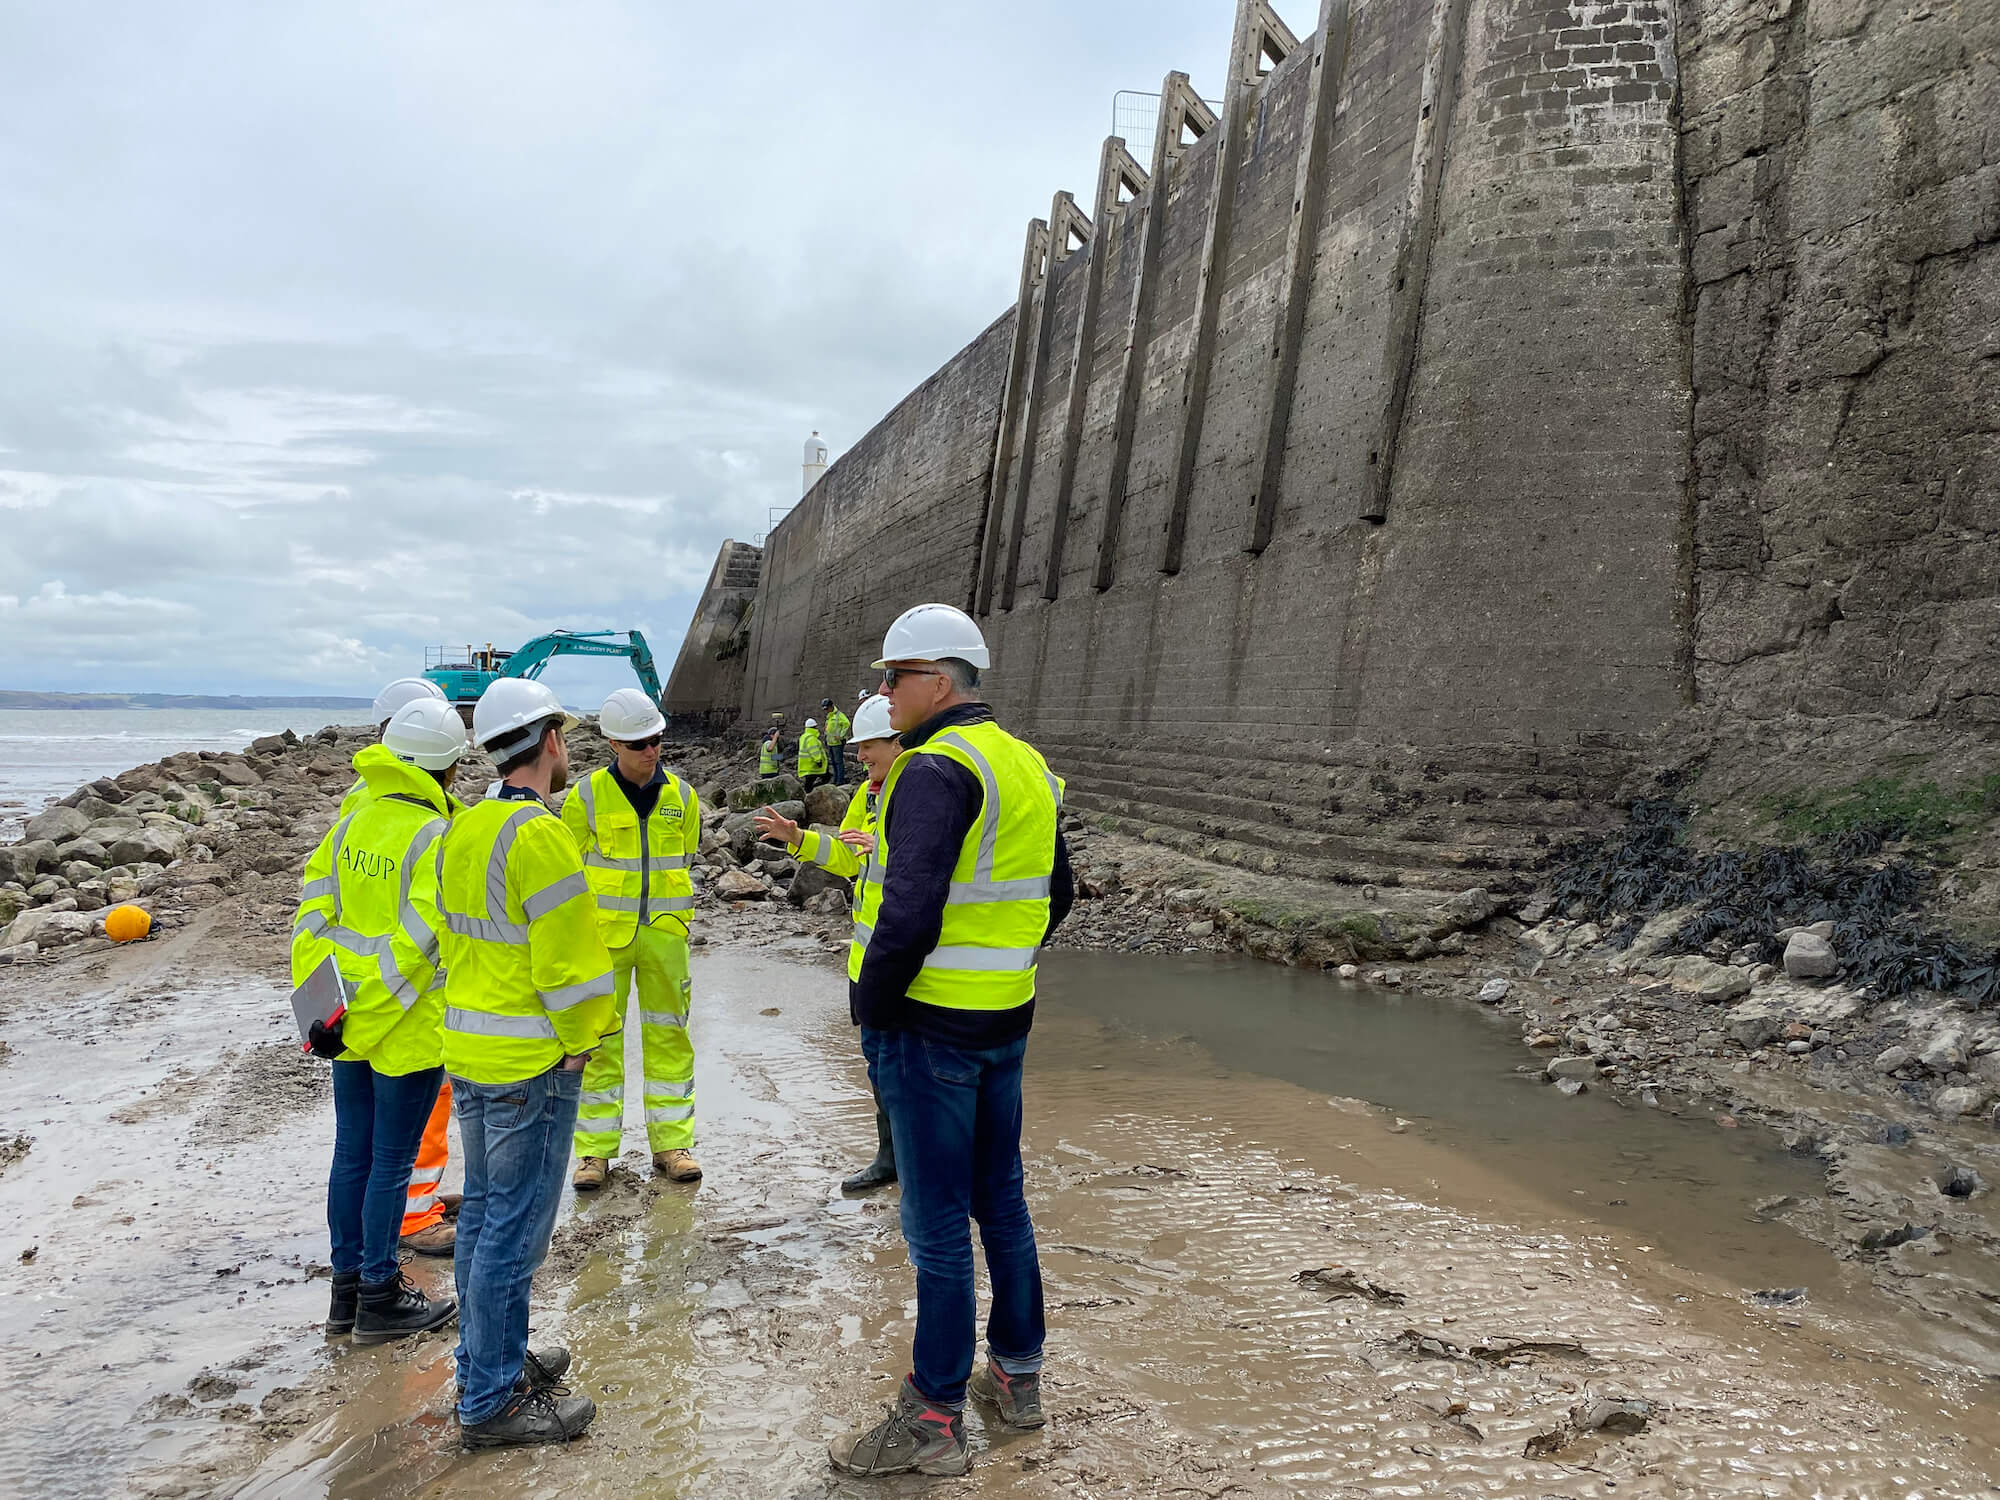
{"x":1345,"y":812}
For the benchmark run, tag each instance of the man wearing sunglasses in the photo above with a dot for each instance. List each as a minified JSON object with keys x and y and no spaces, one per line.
{"x":968,"y":878}
{"x":638,"y":827}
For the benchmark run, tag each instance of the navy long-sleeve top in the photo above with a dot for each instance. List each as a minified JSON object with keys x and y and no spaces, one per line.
{"x":937,"y":802}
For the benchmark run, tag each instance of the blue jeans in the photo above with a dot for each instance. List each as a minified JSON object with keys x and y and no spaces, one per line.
{"x":840,"y":764}
{"x":955,"y":1117}
{"x":378,"y":1123}
{"x":516,"y":1139}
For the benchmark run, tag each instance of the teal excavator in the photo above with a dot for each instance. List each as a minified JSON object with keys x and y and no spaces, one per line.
{"x":476,"y":670}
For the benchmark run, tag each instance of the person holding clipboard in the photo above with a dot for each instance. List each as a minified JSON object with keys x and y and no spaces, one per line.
{"x":370,"y":999}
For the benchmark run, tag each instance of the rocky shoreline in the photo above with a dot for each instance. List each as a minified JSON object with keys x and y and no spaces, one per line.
{"x":1895,"y":1097}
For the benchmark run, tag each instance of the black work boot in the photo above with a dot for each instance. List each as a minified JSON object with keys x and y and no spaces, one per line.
{"x":881,"y":1171}
{"x":340,"y":1311}
{"x":542,"y":1370}
{"x":396,"y":1309}
{"x":529,"y":1417}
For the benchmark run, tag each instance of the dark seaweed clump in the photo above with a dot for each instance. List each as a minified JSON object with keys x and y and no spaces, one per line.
{"x":1742,"y":897}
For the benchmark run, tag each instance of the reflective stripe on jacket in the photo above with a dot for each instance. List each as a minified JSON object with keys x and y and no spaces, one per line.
{"x":837,"y":727}
{"x":830,"y":853}
{"x":998,"y":909}
{"x":637,"y":869}
{"x":812,"y":753}
{"x":369,"y":898}
{"x":528,"y":979}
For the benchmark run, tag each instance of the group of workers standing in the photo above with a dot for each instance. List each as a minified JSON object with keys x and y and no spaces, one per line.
{"x":490,"y":950}
{"x":821,"y":752}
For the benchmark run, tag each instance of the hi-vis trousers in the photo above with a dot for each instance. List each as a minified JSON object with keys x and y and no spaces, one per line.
{"x":654,"y":968}
{"x":423,"y":1208}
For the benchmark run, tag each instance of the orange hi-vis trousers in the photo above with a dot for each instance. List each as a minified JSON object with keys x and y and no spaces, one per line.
{"x":423,"y":1208}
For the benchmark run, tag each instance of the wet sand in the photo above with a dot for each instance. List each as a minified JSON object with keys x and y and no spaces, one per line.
{"x":167,"y":1324}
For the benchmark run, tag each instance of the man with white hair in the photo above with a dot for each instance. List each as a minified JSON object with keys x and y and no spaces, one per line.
{"x":968,"y":878}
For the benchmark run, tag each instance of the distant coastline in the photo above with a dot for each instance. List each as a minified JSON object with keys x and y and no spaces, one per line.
{"x":13,"y":698}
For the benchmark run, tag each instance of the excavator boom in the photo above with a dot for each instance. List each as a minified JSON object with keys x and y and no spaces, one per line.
{"x":463,"y":681}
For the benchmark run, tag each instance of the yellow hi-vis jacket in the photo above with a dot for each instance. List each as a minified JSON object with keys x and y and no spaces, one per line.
{"x":637,"y":869}
{"x":830,"y":853}
{"x":837,"y":727}
{"x":812,"y":753}
{"x":529,"y":978}
{"x":369,"y":898}
{"x":998,"y":910}
{"x":768,"y":763}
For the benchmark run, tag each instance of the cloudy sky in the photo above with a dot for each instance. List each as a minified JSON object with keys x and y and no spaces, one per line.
{"x":335,"y":330}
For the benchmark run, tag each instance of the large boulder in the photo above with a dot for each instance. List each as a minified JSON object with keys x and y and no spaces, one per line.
{"x":827,"y":804}
{"x":58,"y":825}
{"x":1810,"y":956}
{"x":770,"y":791}
{"x":151,"y":843}
{"x":86,"y":849}
{"x":810,"y":881}
{"x":1465,"y":910}
{"x":23,"y":861}
{"x":740,"y":885}
{"x":50,"y":929}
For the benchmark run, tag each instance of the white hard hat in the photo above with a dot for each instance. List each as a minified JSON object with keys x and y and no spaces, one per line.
{"x":404,"y":690}
{"x":871,"y":720}
{"x":812,"y":723}
{"x":629,"y":714}
{"x":427,"y":732}
{"x":931,"y":632}
{"x":509,"y":707}
{"x":862,"y":696}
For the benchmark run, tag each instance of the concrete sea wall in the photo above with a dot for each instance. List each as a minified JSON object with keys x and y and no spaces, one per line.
{"x":1362,"y":479}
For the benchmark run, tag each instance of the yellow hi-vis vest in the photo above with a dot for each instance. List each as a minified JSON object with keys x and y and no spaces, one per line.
{"x":998,"y":910}
{"x":768,"y":763}
{"x":812,"y":753}
{"x":369,"y":898}
{"x":637,"y":869}
{"x":837,"y":727}
{"x":830,"y":853}
{"x":528,"y":978}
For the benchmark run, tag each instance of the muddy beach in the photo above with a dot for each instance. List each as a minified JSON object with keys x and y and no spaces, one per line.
{"x":1259,"y":1284}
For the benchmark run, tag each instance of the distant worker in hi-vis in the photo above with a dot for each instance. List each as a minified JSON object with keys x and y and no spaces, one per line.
{"x":838,"y":728}
{"x":849,"y":854}
{"x":368,"y":901}
{"x":812,"y":755}
{"x":638,"y":828}
{"x":968,"y":878}
{"x":427,"y":1211}
{"x":770,"y":753}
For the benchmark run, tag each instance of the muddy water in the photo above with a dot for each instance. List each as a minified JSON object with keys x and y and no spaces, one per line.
{"x":1455,"y":1073}
{"x":728,"y":1330}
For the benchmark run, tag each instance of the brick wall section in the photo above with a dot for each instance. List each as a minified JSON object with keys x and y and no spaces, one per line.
{"x":1530,"y":588}
{"x":1843,"y":171}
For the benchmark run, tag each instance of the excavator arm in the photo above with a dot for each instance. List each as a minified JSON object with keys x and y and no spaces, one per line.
{"x":531,"y":658}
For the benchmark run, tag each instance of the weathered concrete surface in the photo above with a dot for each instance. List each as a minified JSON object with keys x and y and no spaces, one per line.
{"x":707,"y":680}
{"x":1647,"y":362}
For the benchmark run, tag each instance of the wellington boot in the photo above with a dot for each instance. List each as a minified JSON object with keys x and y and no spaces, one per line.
{"x":677,"y":1165}
{"x":440,"y":1239}
{"x":881,"y":1171}
{"x":592,"y":1172}
{"x":533,"y":1416}
{"x":346,"y":1293}
{"x":396,"y":1309}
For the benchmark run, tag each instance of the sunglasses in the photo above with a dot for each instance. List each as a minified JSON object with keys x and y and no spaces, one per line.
{"x":646,"y":744}
{"x":892,"y":675}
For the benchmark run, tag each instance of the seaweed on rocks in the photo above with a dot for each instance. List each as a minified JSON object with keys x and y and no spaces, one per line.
{"x":1743,"y":898}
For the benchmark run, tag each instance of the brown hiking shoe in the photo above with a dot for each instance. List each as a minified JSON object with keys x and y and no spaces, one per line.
{"x":450,"y":1203}
{"x":917,"y":1436}
{"x":440,"y":1239}
{"x":591,"y":1174}
{"x":1019,"y":1397}
{"x":678,"y":1165}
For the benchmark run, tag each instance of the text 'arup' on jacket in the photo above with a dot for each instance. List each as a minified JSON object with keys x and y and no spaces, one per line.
{"x":529,"y":978}
{"x":638,"y":869}
{"x":369,"y":898}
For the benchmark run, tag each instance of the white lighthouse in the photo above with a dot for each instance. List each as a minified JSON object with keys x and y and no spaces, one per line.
{"x":815,"y":463}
